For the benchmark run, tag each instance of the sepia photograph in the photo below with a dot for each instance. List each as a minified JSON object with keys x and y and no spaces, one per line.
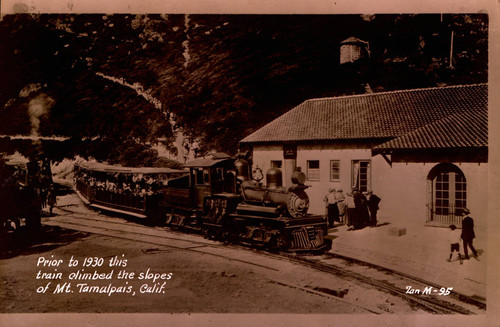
{"x":236,"y":167}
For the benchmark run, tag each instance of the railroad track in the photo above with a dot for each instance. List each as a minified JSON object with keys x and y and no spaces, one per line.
{"x":430,"y":303}
{"x":389,"y":281}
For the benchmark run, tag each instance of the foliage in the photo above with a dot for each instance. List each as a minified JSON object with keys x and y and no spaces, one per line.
{"x":220,"y":77}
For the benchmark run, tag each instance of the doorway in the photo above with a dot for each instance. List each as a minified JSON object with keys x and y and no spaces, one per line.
{"x":447,"y":194}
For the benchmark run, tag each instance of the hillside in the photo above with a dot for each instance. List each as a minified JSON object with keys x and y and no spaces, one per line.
{"x":218,"y":77}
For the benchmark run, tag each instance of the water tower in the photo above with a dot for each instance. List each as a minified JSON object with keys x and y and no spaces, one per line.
{"x":353,"y":49}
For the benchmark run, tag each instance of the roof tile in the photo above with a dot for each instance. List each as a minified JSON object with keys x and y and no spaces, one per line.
{"x":434,"y":116}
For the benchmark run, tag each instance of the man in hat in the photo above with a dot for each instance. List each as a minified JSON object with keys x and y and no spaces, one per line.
{"x":468,"y":233}
{"x":373,"y":202}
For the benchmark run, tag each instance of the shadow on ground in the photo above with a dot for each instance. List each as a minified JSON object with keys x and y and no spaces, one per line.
{"x":25,"y":242}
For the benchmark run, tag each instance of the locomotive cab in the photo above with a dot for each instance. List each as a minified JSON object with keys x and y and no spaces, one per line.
{"x":211,"y":176}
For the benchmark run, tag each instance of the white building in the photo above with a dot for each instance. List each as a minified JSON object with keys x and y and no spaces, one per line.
{"x":423,"y":151}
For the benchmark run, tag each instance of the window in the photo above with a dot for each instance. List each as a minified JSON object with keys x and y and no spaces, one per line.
{"x":276,"y":164}
{"x":206,"y":176}
{"x":202,"y":176}
{"x":450,"y":193}
{"x":442,"y":193}
{"x":313,"y":170}
{"x":199,"y":176}
{"x":334,"y":170}
{"x":219,"y":173}
{"x":460,"y":191}
{"x":361,"y":175}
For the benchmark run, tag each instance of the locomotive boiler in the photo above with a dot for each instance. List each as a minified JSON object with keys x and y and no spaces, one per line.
{"x":273,"y":199}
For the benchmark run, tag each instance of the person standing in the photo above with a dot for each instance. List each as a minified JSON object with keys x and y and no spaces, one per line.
{"x":43,"y":196}
{"x":51,"y":198}
{"x":468,"y":233}
{"x":350,"y":212}
{"x":340,"y":197}
{"x":361,"y":216}
{"x":332,"y":209}
{"x":373,"y":207}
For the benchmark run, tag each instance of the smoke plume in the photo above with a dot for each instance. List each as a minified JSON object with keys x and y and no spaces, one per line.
{"x":38,"y":108}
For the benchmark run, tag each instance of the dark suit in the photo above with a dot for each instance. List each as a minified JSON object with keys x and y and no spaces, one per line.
{"x":468,"y":235}
{"x":373,"y":202}
{"x":361,"y":218}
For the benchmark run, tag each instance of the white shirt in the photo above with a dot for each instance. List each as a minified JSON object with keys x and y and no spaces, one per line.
{"x":454,"y":236}
{"x":331,"y":198}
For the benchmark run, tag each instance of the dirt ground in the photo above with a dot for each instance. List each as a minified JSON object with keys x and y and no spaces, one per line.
{"x":198,"y":282}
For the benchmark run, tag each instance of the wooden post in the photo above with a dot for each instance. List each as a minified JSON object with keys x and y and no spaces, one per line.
{"x":451,"y":50}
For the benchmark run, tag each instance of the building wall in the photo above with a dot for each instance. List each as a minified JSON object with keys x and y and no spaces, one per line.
{"x":404,"y":190}
{"x":262,"y":156}
{"x":402,"y":187}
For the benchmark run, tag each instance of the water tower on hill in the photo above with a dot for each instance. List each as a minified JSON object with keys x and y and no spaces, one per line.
{"x":353,"y":49}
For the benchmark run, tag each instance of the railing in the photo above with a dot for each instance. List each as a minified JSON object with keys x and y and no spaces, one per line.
{"x":445,"y":215}
{"x":124,"y":200}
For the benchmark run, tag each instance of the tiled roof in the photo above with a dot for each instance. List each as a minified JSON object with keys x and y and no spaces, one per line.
{"x":460,"y":130}
{"x":377,"y":115}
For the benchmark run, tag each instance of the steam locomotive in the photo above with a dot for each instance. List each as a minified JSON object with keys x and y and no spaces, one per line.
{"x":218,"y":198}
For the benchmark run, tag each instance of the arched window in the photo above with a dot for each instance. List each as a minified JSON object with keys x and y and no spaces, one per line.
{"x":447,"y":194}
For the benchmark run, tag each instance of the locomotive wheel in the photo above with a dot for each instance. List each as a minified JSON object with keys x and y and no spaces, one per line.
{"x":273,"y":244}
{"x":175,"y":221}
{"x":153,"y":219}
{"x":218,"y":234}
{"x":204,"y":231}
{"x":277,"y":242}
{"x":212,"y":232}
{"x":230,"y":237}
{"x":169,"y":217}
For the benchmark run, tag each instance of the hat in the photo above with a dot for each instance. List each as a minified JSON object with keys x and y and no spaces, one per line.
{"x":465,"y":211}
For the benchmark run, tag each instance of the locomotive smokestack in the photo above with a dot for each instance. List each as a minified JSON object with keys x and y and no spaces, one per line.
{"x":274,"y":178}
{"x":242,"y":169}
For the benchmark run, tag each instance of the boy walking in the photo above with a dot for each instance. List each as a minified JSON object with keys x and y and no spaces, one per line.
{"x":454,"y":239}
